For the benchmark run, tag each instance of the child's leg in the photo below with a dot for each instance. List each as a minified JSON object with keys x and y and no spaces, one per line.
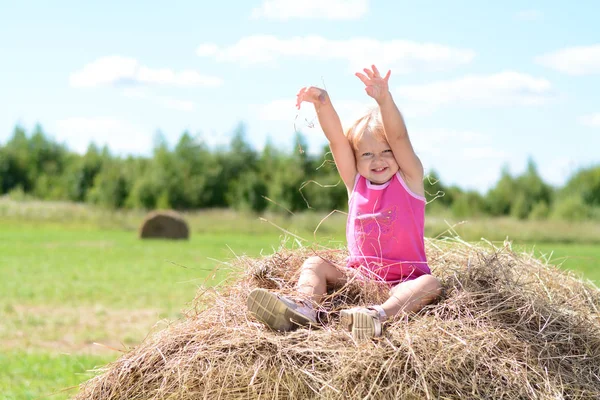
{"x":411,"y":296}
{"x":316,"y":274}
{"x":284,"y":314}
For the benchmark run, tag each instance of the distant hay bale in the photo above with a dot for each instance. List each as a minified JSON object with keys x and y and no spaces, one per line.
{"x":508,"y":326}
{"x":165,"y":224}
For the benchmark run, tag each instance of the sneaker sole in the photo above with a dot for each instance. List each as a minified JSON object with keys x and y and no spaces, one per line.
{"x":359,"y":324}
{"x":272,"y":311}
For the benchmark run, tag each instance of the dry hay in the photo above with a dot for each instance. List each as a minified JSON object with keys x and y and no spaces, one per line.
{"x":508,"y":326}
{"x":164,"y":224}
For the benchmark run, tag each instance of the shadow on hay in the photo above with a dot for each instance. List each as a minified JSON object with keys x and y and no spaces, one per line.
{"x":508,"y":326}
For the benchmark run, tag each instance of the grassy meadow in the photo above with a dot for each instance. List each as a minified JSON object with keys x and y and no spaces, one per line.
{"x":77,"y":285}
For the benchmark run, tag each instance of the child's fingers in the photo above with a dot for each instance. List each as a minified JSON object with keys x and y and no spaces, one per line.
{"x":387,"y":76}
{"x":375,"y":71}
{"x":301,"y":91}
{"x":300,"y":97}
{"x":310,"y":94}
{"x":363,"y":78}
{"x":368,"y":72}
{"x":299,"y":101}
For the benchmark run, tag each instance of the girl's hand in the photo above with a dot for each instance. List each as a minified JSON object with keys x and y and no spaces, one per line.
{"x":311,"y":94}
{"x":376,"y":86}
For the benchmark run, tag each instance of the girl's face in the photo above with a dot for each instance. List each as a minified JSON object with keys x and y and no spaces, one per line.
{"x":375,"y":160}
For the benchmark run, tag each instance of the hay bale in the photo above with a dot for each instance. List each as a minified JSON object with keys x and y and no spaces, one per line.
{"x":164,"y":224}
{"x":507,"y":327}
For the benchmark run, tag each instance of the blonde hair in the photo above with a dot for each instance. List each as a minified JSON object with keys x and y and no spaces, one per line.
{"x":370,"y":123}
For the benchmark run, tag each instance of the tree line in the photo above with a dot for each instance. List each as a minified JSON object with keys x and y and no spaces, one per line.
{"x":191,"y":175}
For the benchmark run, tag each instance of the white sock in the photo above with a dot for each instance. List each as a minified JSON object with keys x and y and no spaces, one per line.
{"x":382,"y":315}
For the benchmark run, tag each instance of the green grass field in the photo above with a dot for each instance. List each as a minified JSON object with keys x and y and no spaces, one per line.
{"x":66,"y":288}
{"x":583,"y":259}
{"x":74,"y":291}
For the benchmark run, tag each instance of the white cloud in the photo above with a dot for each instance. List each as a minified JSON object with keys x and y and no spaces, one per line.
{"x":401,"y":56}
{"x":115,"y":70}
{"x":322,"y":9}
{"x":529,"y":15}
{"x":164,"y":101}
{"x":121,"y":137}
{"x":501,"y":89}
{"x":579,"y":60}
{"x":592,"y":120}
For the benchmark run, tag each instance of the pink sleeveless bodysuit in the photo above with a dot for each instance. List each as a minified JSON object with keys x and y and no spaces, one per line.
{"x":385,"y":230}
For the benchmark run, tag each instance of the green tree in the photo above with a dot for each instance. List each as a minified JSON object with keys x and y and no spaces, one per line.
{"x":248,"y":192}
{"x":45,"y":155}
{"x":144,"y":194}
{"x":323,"y":188}
{"x":467,"y":204}
{"x":499,"y":199}
{"x":540,"y":211}
{"x":198,"y":167}
{"x":14,"y":164}
{"x":111,"y":188}
{"x":586,"y":184}
{"x":532,"y":190}
{"x":435,"y":191}
{"x":571,"y":208}
{"x":82,"y":171}
{"x":239,"y":158}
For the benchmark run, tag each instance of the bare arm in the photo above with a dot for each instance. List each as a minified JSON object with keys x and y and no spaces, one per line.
{"x":395,"y":128}
{"x":397,"y":136}
{"x":343,"y":154}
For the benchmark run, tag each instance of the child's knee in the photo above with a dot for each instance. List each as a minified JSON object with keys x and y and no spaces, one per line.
{"x":426,"y":286}
{"x":314,"y":263}
{"x":432,"y":286}
{"x":323,"y":269}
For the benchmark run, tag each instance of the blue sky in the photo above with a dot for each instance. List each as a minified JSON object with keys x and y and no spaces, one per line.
{"x":482,"y":85}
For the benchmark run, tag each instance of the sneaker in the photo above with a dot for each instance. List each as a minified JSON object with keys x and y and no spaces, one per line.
{"x":279,"y":312}
{"x":363,"y":323}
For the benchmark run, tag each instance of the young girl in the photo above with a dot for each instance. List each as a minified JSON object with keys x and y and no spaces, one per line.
{"x":386,"y":216}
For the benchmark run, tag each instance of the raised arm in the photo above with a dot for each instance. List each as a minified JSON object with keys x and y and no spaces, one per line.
{"x":343,"y":154}
{"x":395,"y":128}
